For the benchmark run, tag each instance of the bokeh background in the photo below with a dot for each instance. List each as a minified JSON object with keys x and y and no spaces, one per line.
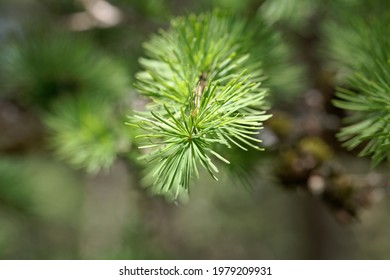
{"x":67,"y":70}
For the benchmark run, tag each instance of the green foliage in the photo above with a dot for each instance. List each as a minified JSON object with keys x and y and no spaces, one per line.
{"x":363,"y":49}
{"x":83,"y":138}
{"x":203,"y":76}
{"x":357,"y":36}
{"x":46,"y":64}
{"x":233,"y":5}
{"x":294,"y":12}
{"x":370,"y":123}
{"x":75,"y":89}
{"x":284,"y":77}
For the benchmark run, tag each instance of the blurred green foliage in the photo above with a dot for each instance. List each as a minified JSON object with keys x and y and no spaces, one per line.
{"x":70,"y":184}
{"x":46,"y":64}
{"x":361,"y":49}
